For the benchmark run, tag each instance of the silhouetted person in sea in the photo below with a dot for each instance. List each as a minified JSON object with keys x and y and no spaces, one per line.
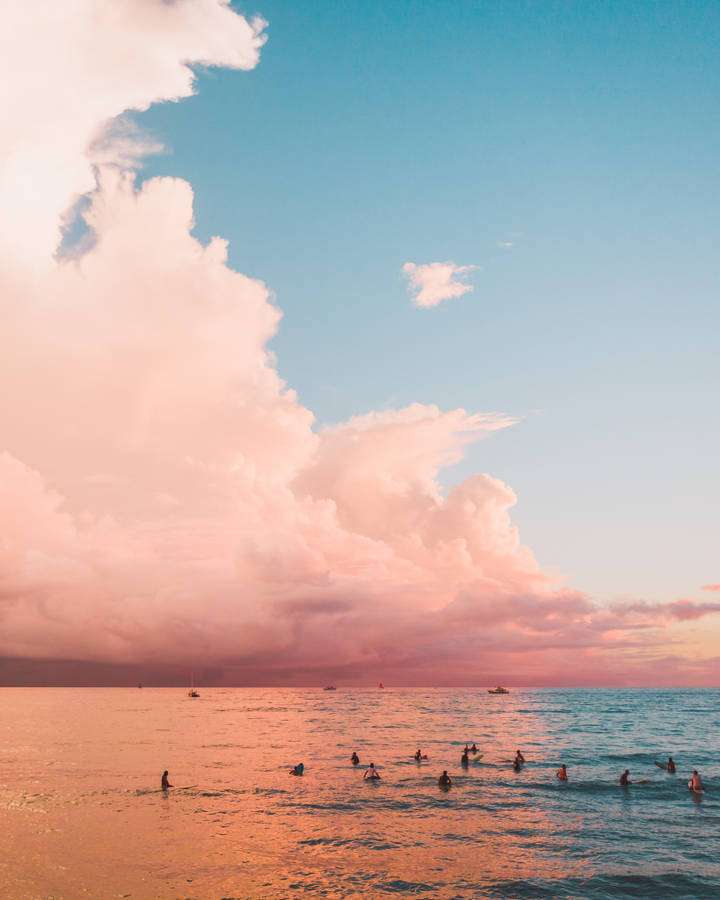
{"x":473,"y":749}
{"x":444,"y":781}
{"x":624,"y":780}
{"x":165,"y":784}
{"x":418,"y":755}
{"x":298,"y":769}
{"x":519,"y":758}
{"x":370,"y":772}
{"x":354,"y":759}
{"x":464,"y":759}
{"x":562,"y":773}
{"x":671,"y":765}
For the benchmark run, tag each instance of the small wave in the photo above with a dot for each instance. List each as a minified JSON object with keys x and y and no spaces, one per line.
{"x":329,"y":842}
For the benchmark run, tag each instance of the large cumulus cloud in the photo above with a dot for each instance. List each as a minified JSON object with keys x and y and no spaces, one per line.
{"x":163,"y":494}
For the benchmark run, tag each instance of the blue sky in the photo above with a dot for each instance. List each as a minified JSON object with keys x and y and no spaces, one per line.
{"x":372,"y":134}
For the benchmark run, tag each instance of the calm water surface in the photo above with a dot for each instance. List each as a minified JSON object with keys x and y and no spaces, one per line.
{"x":82,"y":815}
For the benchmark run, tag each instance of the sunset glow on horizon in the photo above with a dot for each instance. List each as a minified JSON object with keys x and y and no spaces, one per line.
{"x":168,"y":502}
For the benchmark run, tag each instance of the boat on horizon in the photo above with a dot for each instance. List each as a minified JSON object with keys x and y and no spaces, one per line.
{"x":498,"y":690}
{"x":192,"y":692}
{"x":330,"y":687}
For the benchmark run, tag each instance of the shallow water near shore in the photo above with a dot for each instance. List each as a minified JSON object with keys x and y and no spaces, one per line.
{"x":82,"y":814}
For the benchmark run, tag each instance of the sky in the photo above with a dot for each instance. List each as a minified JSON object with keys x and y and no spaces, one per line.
{"x":358,"y":342}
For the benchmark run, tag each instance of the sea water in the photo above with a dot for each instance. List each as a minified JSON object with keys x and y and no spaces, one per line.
{"x":82,"y":813}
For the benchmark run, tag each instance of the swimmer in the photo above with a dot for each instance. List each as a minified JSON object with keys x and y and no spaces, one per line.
{"x":370,"y":772}
{"x":165,"y":784}
{"x":562,"y":773}
{"x":696,"y":781}
{"x":355,"y":759}
{"x":418,"y":755}
{"x":671,"y":765}
{"x":465,"y":759}
{"x":298,"y":769}
{"x":473,"y":749}
{"x":467,"y":748}
{"x":517,"y":765}
{"x":444,"y":781}
{"x":624,"y":780}
{"x":519,"y":758}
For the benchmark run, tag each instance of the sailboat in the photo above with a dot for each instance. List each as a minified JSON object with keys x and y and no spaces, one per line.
{"x":192,"y":692}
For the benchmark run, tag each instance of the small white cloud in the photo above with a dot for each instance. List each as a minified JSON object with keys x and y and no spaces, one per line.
{"x":436,"y":282}
{"x":505,"y":244}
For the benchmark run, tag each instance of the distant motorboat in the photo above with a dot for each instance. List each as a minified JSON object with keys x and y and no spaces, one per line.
{"x":330,"y":687}
{"x":498,"y":690}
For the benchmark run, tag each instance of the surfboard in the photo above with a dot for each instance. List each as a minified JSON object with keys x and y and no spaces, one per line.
{"x":477,"y":757}
{"x":661,"y":765}
{"x":695,"y":790}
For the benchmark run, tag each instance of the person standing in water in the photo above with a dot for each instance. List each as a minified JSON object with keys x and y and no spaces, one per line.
{"x":624,"y":780}
{"x":696,"y":782}
{"x":562,"y":773}
{"x":444,"y":781}
{"x":354,"y":759}
{"x":164,"y":783}
{"x":371,"y":772}
{"x":671,"y":765}
{"x":464,"y":759}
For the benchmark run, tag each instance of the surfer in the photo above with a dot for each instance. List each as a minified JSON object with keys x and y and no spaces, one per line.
{"x":465,"y":759}
{"x":670,"y":767}
{"x":165,"y":784}
{"x":370,"y":772}
{"x":696,"y":782}
{"x":624,"y":780}
{"x":562,"y":773}
{"x":298,"y":769}
{"x":444,"y":781}
{"x":355,"y":759}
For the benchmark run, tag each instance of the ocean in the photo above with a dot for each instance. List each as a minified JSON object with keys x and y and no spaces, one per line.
{"x":82,"y":813}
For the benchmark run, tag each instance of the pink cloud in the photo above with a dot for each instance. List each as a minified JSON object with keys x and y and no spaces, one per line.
{"x":436,"y":282}
{"x":164,"y":497}
{"x":711,"y":587}
{"x":69,"y":69}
